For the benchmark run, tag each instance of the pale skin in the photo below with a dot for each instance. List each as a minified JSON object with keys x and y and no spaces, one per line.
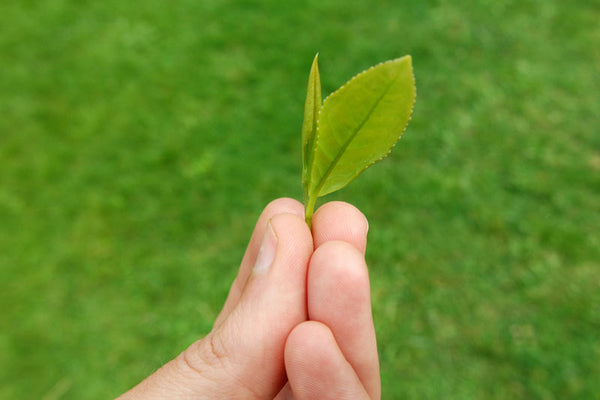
{"x":297,"y":323}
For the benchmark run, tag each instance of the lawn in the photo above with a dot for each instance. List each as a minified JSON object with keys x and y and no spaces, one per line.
{"x":139,"y":141}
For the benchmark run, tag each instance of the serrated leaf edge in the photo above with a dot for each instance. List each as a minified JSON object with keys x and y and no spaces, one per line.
{"x":334,"y":93}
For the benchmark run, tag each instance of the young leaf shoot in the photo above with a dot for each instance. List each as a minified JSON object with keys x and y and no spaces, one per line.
{"x":354,"y":127}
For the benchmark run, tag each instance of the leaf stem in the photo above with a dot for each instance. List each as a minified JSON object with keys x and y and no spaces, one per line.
{"x":310,"y":207}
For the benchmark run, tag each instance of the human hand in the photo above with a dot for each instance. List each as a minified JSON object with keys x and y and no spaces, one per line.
{"x":297,"y":322}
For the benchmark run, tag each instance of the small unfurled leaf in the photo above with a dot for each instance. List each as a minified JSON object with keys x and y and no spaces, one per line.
{"x":312,"y":106}
{"x":356,"y":126}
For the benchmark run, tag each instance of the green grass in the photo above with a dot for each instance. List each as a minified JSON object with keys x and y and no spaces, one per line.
{"x":139,"y":142}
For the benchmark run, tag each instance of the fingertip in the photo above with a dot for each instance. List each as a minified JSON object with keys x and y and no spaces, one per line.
{"x":308,"y":340}
{"x":293,"y":234}
{"x":339,"y":220}
{"x":283,"y":205}
{"x":316,"y":367}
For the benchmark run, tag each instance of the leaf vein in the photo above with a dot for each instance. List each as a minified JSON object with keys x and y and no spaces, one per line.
{"x":352,"y":136}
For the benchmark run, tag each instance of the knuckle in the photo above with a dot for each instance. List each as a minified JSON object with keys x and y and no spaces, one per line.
{"x":206,"y":355}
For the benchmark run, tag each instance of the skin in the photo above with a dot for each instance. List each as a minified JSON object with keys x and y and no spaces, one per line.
{"x":297,"y":323}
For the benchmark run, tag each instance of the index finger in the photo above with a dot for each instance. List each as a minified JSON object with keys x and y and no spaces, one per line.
{"x":342,"y":221}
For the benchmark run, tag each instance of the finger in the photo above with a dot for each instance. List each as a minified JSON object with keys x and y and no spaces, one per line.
{"x":337,"y":220}
{"x":249,"y":344}
{"x":316,"y":367}
{"x":339,"y":297}
{"x":243,"y":356}
{"x":279,"y":206}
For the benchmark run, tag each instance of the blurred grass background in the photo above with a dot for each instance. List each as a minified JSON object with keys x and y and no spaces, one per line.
{"x":139,"y":141}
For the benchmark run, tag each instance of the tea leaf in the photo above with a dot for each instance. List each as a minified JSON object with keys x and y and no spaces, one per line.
{"x":312,"y":106}
{"x":358,"y":125}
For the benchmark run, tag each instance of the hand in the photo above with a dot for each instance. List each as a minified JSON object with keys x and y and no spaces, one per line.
{"x":297,"y":322}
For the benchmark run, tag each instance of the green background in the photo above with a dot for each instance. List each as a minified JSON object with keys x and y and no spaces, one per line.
{"x":139,"y":141}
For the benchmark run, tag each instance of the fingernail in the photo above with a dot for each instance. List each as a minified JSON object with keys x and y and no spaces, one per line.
{"x":266,"y":253}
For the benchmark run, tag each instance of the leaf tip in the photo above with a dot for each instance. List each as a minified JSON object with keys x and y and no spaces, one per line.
{"x":315,"y":63}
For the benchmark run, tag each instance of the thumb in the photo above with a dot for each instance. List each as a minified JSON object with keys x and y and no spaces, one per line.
{"x":243,"y":356}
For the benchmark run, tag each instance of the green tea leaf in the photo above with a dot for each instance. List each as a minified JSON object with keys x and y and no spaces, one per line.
{"x":358,"y":125}
{"x":312,"y":106}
